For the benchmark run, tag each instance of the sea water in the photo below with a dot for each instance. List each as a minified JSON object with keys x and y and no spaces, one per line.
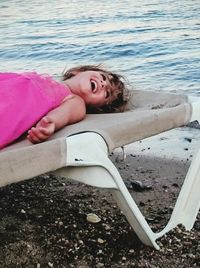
{"x":154,"y":44}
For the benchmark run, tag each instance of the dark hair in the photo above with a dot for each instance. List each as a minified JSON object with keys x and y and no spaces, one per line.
{"x":121,"y":92}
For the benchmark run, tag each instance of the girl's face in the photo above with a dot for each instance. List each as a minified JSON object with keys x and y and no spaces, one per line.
{"x":93,"y":87}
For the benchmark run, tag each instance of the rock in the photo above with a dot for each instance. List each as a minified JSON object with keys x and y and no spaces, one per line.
{"x":138,"y":186}
{"x":99,"y":265}
{"x":100,"y":241}
{"x":93,"y":218}
{"x":23,"y":211}
{"x":194,"y":124}
{"x":188,"y":139}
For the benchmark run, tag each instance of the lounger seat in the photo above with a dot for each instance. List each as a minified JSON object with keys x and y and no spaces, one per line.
{"x":80,"y":151}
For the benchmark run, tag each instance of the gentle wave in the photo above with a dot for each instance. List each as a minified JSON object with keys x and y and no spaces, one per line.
{"x":155,"y":45}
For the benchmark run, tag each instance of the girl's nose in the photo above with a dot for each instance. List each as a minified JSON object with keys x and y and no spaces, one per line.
{"x":103,"y":83}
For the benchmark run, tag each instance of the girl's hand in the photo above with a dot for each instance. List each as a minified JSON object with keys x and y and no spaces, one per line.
{"x":42,"y":131}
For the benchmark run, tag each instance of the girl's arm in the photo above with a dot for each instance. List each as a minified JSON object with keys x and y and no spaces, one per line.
{"x":70,"y":111}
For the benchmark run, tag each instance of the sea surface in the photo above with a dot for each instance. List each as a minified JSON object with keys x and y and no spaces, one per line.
{"x":154,"y":44}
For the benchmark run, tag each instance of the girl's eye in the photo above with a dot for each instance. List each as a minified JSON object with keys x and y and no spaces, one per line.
{"x":107,"y":94}
{"x":103,"y":77}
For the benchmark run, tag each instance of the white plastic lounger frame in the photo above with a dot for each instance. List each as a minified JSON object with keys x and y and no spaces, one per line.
{"x":95,"y":163}
{"x":84,"y":156}
{"x":95,"y":168}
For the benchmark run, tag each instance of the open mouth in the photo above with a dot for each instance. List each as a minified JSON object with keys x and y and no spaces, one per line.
{"x":93,"y":86}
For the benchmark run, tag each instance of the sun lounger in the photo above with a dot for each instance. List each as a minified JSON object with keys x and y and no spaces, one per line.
{"x":80,"y":152}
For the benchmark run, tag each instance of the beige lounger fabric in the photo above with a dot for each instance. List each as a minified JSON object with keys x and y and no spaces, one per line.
{"x":148,"y":113}
{"x":26,"y":162}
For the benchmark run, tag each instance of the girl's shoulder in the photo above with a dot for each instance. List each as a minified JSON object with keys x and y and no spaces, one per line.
{"x":75,"y":98}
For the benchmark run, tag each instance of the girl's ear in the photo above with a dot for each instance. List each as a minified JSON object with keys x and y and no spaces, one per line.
{"x":75,"y":72}
{"x":71,"y":74}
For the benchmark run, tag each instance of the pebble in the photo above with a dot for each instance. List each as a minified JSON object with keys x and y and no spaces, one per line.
{"x":100,"y":241}
{"x":23,"y":211}
{"x":192,"y":256}
{"x":169,"y":250}
{"x":106,"y":226}
{"x":81,"y":242}
{"x":188,"y":139}
{"x":99,"y":265}
{"x":93,"y":218}
{"x":187,"y":243}
{"x":50,"y":264}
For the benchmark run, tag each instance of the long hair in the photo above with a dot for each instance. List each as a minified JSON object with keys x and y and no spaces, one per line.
{"x":121,"y":92}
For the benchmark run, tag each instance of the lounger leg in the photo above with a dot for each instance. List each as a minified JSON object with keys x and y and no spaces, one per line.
{"x":135,"y":217}
{"x":95,"y":168}
{"x":188,"y":202}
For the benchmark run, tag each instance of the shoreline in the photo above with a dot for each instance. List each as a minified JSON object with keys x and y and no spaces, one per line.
{"x":179,"y":144}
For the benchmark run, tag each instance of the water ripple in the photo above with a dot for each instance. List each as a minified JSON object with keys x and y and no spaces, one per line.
{"x":155,"y":44}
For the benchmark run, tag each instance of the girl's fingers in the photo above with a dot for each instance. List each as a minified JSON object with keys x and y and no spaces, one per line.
{"x":32,"y":138}
{"x":44,"y":131}
{"x":46,"y":125}
{"x":36,"y":135}
{"x":41,"y":131}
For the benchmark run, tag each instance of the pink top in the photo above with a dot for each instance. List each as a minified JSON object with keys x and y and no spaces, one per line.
{"x":24,"y":99}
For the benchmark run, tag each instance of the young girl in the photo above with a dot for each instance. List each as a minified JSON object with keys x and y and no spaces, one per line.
{"x":28,"y":98}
